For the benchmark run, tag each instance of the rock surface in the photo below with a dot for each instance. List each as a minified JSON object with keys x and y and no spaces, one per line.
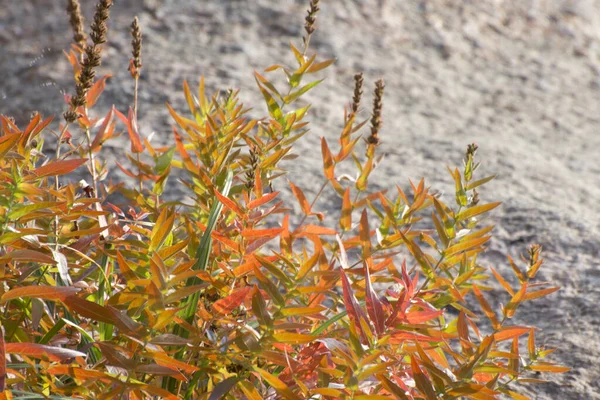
{"x":519,"y":78}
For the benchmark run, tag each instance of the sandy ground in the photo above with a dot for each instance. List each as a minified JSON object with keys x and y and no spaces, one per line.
{"x":519,"y":78}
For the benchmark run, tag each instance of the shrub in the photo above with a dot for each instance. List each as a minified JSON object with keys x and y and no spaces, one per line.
{"x":230,"y":297}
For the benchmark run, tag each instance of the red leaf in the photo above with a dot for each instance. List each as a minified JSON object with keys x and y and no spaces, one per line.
{"x":355,"y":312}
{"x":228,"y":304}
{"x":419,"y":317}
{"x":61,"y":167}
{"x":132,"y":129}
{"x":41,"y":351}
{"x":89,"y":309}
{"x":374,"y":305}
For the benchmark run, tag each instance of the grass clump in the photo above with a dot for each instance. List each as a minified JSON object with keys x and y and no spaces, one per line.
{"x":160,"y":299}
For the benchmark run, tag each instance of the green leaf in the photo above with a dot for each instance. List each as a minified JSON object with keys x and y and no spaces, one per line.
{"x":299,"y":73}
{"x":164,"y":161}
{"x":476,"y":210}
{"x":328,"y":323}
{"x":274,"y":109}
{"x":289,"y":99}
{"x":162,"y":228}
{"x":22,"y":211}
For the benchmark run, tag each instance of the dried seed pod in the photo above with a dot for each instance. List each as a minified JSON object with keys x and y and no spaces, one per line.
{"x":91,"y":60}
{"x":358,"y":82}
{"x":136,"y":49}
{"x":76,"y":20}
{"x":376,"y":120}
{"x":311,"y":17}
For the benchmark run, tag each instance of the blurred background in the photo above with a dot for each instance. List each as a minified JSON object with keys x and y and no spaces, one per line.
{"x":520,"y":78}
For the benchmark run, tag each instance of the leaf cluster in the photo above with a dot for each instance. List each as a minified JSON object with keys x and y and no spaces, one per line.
{"x":223,"y":296}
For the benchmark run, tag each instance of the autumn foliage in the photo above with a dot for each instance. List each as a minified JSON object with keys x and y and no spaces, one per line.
{"x":227,"y":294}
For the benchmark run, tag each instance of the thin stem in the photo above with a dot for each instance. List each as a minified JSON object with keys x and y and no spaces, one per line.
{"x":314,"y":201}
{"x":56,"y":184}
{"x":135,"y":112}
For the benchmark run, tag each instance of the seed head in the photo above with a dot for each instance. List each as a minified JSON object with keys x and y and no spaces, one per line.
{"x":136,"y":46}
{"x":76,"y":20}
{"x":358,"y":82}
{"x":471,"y":150}
{"x":311,"y":17}
{"x":250,"y":173}
{"x":98,"y":27}
{"x":377,"y":108}
{"x":91,"y":60}
{"x":475,"y":198}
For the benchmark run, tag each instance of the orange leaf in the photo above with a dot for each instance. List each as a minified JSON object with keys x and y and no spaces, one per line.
{"x":365,"y":236}
{"x":294,"y":338}
{"x":486,"y":307}
{"x":540,"y":293}
{"x":7,"y":142}
{"x":328,"y":165}
{"x":229,"y":203}
{"x":346,"y":217}
{"x":502,"y":282}
{"x":96,"y":90}
{"x":547,"y":367}
{"x":320,"y":65}
{"x":306,"y":208}
{"x":259,"y":233}
{"x":510,"y":332}
{"x":28,"y":255}
{"x":262,"y":200}
{"x":316,"y":230}
{"x":41,"y":292}
{"x":61,"y":167}
{"x":165,"y":360}
{"x":512,"y":305}
{"x":132,"y":129}
{"x":42,"y":351}
{"x":280,"y":387}
{"x":106,"y":123}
